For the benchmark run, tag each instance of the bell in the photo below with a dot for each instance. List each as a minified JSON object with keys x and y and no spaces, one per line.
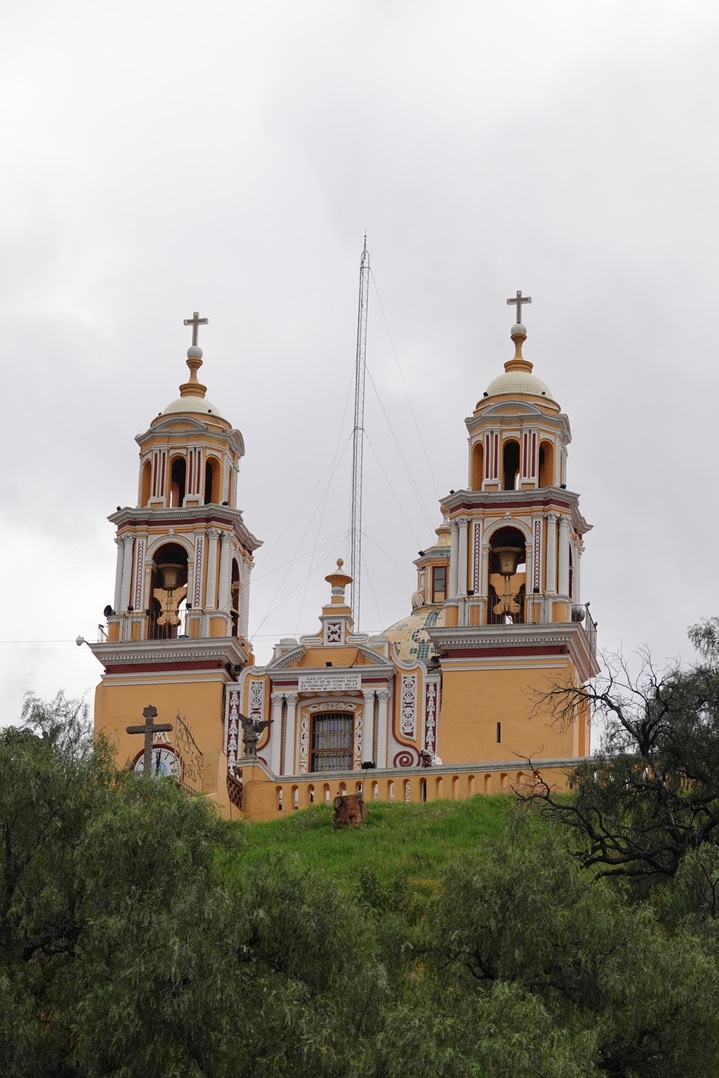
{"x":508,"y":558}
{"x":170,"y":576}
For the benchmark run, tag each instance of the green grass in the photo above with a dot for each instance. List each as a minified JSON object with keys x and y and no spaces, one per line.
{"x":398,"y":842}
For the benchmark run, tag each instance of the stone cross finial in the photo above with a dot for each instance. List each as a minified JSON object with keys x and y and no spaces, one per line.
{"x":148,"y":729}
{"x":517,"y":302}
{"x":196,"y":322}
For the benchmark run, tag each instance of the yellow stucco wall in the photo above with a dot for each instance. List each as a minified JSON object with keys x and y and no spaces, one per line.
{"x":474,"y":701}
{"x":118,"y":706}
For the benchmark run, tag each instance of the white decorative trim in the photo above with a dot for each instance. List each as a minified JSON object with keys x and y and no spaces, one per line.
{"x":408,"y":705}
{"x":287,"y":660}
{"x":225,"y":649}
{"x":139,"y":569}
{"x":199,"y":545}
{"x":232,"y":727}
{"x":537,"y":555}
{"x":358,"y":729}
{"x":256,"y":699}
{"x":304,"y":741}
{"x":328,"y":705}
{"x":431,"y":700}
{"x":477,"y":557}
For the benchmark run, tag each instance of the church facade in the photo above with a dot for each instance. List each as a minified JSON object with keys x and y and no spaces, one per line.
{"x":448,"y":702}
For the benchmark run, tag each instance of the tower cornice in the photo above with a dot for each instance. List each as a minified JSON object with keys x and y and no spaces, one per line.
{"x":174,"y":652}
{"x":515,"y":641}
{"x":144,"y":517}
{"x":512,"y":501}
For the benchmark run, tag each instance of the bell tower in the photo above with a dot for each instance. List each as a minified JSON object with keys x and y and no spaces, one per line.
{"x":514,"y":621}
{"x":176,"y":630}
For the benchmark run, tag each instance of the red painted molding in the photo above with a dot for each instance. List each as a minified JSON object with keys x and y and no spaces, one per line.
{"x":502,"y":652}
{"x":198,"y":664}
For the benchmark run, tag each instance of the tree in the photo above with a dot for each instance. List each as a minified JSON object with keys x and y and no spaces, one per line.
{"x":651,"y":795}
{"x":548,"y":970}
{"x":124,"y":949}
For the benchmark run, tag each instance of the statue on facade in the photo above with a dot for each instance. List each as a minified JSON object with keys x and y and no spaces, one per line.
{"x":251,"y":730}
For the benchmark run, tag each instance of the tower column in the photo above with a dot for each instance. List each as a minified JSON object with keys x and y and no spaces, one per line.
{"x":232,"y":495}
{"x":276,"y":733}
{"x":213,"y":534}
{"x":368,"y":725}
{"x":563,"y":556}
{"x":383,"y":701}
{"x":550,"y":577}
{"x":127,"y":545}
{"x":463,"y":523}
{"x":223,"y":602}
{"x":118,"y":574}
{"x":453,"y":555}
{"x":244,"y":600}
{"x":577,"y":572}
{"x":290,"y":717}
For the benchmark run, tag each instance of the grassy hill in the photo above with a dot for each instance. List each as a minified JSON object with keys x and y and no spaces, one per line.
{"x":398,"y":842}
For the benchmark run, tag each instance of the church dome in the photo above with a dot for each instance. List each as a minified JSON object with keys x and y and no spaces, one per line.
{"x":409,"y":635}
{"x":518,"y":382}
{"x":192,"y":404}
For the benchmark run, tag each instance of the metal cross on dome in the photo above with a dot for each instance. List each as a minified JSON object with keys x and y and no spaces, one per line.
{"x":517,"y":302}
{"x":195,"y":322}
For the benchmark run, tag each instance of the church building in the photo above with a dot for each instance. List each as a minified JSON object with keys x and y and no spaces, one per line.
{"x":447,"y":702}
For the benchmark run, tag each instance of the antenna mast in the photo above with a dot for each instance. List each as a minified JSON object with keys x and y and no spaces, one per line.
{"x":358,"y":437}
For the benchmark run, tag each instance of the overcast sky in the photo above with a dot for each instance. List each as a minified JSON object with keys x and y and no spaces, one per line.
{"x":226,"y":157}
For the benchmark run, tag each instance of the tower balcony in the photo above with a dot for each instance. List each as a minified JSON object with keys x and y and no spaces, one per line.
{"x":190,"y":624}
{"x":512,"y":607}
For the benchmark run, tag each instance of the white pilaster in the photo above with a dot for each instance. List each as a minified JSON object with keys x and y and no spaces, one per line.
{"x":244,"y":601}
{"x":563,"y":556}
{"x":290,"y":733}
{"x":368,"y":725}
{"x":213,"y":535}
{"x":276,"y":733}
{"x":233,"y":485}
{"x":577,"y":572}
{"x":127,"y":545}
{"x":463,"y":523}
{"x":382,"y":731}
{"x":550,"y":585}
{"x":223,"y":602}
{"x":453,"y":563}
{"x":117,"y":598}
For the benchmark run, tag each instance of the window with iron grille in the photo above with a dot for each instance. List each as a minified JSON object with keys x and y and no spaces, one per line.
{"x":332,"y":741}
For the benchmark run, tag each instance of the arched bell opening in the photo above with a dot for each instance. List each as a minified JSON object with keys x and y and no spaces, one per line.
{"x":167,"y":592}
{"x":477,"y":466}
{"x":212,"y":481}
{"x":507,"y":577}
{"x":510,"y":465}
{"x":146,"y":483}
{"x":546,"y":464}
{"x":178,"y":481}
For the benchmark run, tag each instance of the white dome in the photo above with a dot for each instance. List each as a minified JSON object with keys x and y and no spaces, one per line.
{"x":199,"y":405}
{"x":519,"y":382}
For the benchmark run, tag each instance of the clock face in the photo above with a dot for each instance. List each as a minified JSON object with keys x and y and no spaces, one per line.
{"x":164,"y":763}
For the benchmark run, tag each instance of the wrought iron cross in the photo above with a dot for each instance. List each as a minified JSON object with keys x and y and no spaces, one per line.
{"x":148,"y":729}
{"x":196,"y":322}
{"x":517,"y":302}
